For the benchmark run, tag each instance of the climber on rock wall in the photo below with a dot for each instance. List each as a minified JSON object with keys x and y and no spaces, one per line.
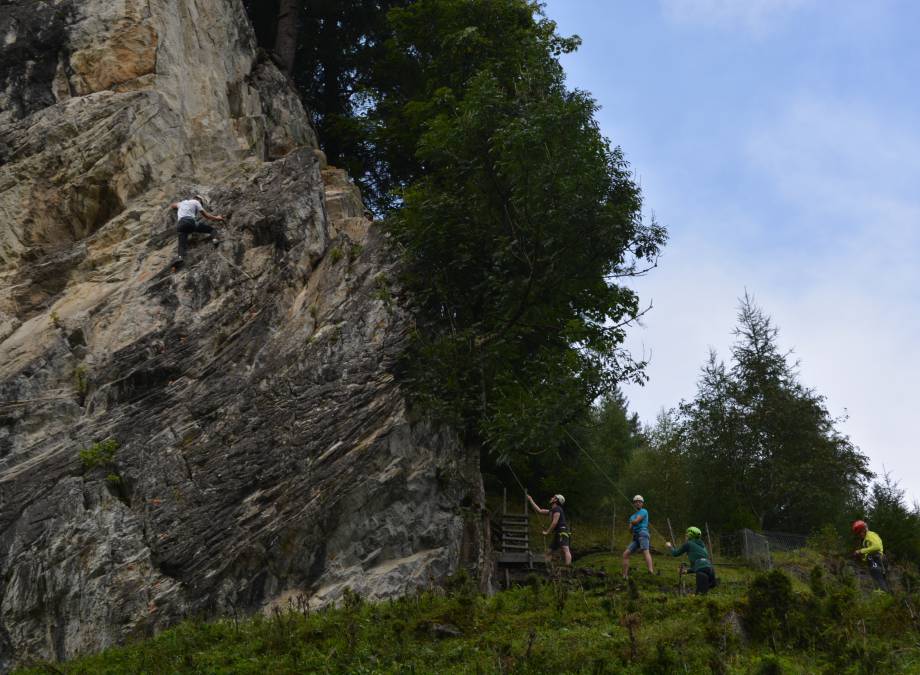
{"x":188,"y":223}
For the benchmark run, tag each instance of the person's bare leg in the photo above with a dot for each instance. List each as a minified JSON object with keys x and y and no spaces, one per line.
{"x":567,"y":553}
{"x":648,"y":561}
{"x":626,"y":563}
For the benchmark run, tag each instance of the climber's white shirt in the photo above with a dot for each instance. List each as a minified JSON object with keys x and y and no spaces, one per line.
{"x":189,"y":208}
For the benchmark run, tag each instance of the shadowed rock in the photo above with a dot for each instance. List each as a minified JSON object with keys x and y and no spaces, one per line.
{"x":264,"y":448}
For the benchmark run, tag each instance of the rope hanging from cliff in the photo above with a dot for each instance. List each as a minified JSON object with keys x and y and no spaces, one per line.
{"x":593,"y":461}
{"x":516,"y":479}
{"x":609,"y":479}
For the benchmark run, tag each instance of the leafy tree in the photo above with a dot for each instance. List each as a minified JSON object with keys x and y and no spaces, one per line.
{"x":763,"y":449}
{"x":517,"y":218}
{"x":329,"y":48}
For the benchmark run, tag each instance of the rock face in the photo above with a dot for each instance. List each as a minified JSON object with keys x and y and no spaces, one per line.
{"x":258,"y":445}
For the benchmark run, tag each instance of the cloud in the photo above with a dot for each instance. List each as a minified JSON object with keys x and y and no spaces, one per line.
{"x":756,"y":16}
{"x":830,"y":248}
{"x":849,"y":171}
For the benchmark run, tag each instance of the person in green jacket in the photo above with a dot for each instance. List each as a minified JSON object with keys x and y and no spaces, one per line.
{"x":873,"y":554}
{"x":700,"y":564}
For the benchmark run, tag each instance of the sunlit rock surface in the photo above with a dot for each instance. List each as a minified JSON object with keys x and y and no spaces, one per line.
{"x":264,"y":446}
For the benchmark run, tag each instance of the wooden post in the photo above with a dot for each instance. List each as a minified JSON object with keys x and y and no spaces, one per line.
{"x":712,"y":554}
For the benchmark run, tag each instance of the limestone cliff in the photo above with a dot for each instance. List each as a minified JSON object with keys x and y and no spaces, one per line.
{"x":264,"y":448}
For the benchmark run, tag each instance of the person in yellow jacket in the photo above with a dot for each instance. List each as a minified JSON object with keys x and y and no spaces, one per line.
{"x":872,"y":553}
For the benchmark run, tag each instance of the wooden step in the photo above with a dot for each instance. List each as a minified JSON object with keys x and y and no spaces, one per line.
{"x":514,"y":547}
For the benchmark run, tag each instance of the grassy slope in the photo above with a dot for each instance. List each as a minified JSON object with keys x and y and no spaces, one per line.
{"x":577,"y":626}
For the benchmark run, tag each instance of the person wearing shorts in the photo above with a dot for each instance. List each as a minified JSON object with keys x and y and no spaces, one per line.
{"x":558,"y":527}
{"x":638,"y":525}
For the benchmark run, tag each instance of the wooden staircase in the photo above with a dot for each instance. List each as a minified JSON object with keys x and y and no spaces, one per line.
{"x":515,"y":559}
{"x":515,"y":540}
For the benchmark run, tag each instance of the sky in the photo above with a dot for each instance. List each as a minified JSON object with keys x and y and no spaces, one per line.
{"x":778,"y":141}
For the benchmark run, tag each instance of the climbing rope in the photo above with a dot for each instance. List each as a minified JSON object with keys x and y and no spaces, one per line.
{"x":605,"y":475}
{"x":516,"y":479}
{"x":593,"y":461}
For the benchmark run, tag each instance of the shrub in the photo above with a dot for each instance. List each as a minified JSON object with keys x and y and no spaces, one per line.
{"x":769,"y":612}
{"x":99,"y":454}
{"x":80,"y":380}
{"x":817,"y":582}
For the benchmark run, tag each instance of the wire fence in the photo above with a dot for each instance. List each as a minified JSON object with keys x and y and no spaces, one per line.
{"x":757,"y":548}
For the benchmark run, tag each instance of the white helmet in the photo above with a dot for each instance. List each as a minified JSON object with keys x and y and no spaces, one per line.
{"x":559,"y":498}
{"x":638,"y":498}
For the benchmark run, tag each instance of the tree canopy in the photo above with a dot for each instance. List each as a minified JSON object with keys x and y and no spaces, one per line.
{"x":516,"y":219}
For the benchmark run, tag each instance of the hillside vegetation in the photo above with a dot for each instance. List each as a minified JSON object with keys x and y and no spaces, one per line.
{"x":809,"y":615}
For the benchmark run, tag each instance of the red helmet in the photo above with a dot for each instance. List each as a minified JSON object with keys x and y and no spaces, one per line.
{"x":860,"y":526}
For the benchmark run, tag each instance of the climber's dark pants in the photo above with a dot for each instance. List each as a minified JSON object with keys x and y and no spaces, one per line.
{"x":877,"y":571}
{"x":187,"y":226}
{"x":705,"y":579}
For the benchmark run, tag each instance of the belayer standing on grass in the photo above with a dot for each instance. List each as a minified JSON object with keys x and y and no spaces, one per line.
{"x":700,"y":564}
{"x":187,"y":222}
{"x":638,"y":523}
{"x":872,"y":553}
{"x":558,"y":526}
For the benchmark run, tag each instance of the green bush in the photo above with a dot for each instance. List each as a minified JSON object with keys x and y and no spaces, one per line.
{"x":769,"y":612}
{"x":817,"y":582}
{"x":99,"y":454}
{"x":80,"y":380}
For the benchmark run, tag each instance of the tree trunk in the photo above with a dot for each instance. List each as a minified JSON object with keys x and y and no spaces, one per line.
{"x":286,"y":34}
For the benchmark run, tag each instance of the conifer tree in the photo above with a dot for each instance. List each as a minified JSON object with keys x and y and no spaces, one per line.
{"x":763,"y":448}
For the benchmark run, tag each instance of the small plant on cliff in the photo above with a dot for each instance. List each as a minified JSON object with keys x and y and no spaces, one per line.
{"x":101,"y":454}
{"x":382,"y":291}
{"x":80,"y":379}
